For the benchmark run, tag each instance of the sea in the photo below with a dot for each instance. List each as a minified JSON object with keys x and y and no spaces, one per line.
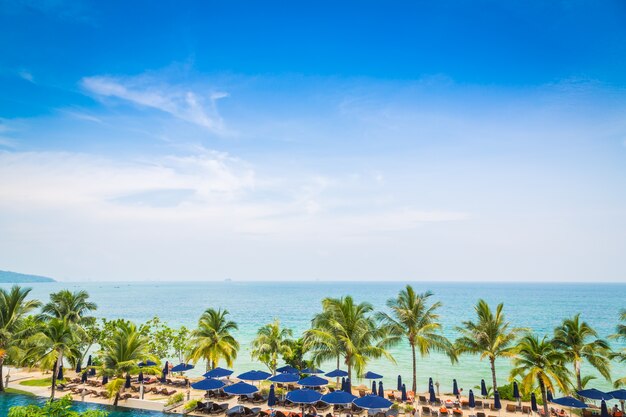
{"x":537,"y":306}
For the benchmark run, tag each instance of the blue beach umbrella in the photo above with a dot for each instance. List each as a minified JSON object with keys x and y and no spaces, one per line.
{"x":284,"y":378}
{"x":372,"y":402}
{"x":182,"y":367}
{"x":455,"y":388}
{"x":404,"y":397}
{"x":472,"y":400}
{"x":127,"y":383}
{"x":483,"y":388}
{"x":241,"y":388}
{"x":595,"y":394}
{"x":399,"y":382}
{"x":569,"y":402}
{"x":371,"y":375}
{"x":254,"y":376}
{"x":313,"y":370}
{"x":140,"y":376}
{"x":515,"y":390}
{"x":549,"y":396}
{"x":218,"y":373}
{"x":208,"y":384}
{"x":304,"y":396}
{"x":619,"y":394}
{"x":83,"y":377}
{"x":313,"y":381}
{"x":271,"y":397}
{"x":337,"y":373}
{"x":79,"y":368}
{"x":432,"y":398}
{"x":374,"y":390}
{"x":496,"y":400}
{"x":338,"y":397}
{"x":381,"y":391}
{"x":288,"y":369}
{"x":146,"y":363}
{"x":604,"y":412}
{"x":105,"y":379}
{"x":533,"y":402}
{"x":60,"y":374}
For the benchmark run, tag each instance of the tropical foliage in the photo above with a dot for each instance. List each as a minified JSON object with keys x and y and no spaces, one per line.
{"x":270,"y":342}
{"x":59,"y":408}
{"x":213,"y":340}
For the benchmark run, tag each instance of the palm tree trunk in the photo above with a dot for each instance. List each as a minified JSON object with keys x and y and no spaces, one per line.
{"x":55,"y":372}
{"x":117,"y":399}
{"x":337,"y":383}
{"x":579,"y":382}
{"x":492,"y":361}
{"x":414,"y":368}
{"x":1,"y":373}
{"x":544,"y":397}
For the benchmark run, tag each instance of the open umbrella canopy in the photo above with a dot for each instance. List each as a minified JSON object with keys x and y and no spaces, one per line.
{"x":455,"y":387}
{"x":254,"y":376}
{"x":338,"y":397}
{"x":515,"y":390}
{"x":399,"y":383}
{"x":337,"y":373}
{"x":496,"y":400}
{"x":404,"y":396}
{"x":619,"y":394}
{"x":371,"y":375}
{"x":381,"y":391}
{"x":604,"y":412}
{"x":218,"y":373}
{"x":208,"y":384}
{"x":533,"y":402}
{"x":483,"y":388}
{"x":271,"y":397}
{"x":288,"y":369}
{"x":304,"y":396}
{"x":569,"y":402}
{"x":241,"y":388}
{"x":374,"y":390}
{"x":313,"y":381}
{"x":127,"y":383}
{"x":146,"y":363}
{"x":472,"y":400}
{"x":284,"y":378}
{"x":595,"y":394}
{"x":312,"y":371}
{"x":182,"y":367}
{"x":372,"y":402}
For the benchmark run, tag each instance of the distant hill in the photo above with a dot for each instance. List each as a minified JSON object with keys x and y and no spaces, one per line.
{"x":14,"y":277}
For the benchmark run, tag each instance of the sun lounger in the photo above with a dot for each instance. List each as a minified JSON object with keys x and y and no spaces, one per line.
{"x":526,"y":409}
{"x":457,"y":413}
{"x":425,"y":411}
{"x":480,"y":414}
{"x":511,"y":408}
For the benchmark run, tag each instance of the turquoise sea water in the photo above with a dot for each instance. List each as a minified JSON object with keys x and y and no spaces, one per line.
{"x":11,"y":400}
{"x":537,"y":306}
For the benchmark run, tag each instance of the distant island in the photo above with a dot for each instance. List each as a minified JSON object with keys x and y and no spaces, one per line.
{"x":8,"y":277}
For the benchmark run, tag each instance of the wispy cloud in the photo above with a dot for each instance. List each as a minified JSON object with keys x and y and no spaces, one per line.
{"x":26,"y":75}
{"x":180,"y":101}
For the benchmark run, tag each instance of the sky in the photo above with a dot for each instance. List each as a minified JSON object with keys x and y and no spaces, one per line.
{"x":352,"y":140}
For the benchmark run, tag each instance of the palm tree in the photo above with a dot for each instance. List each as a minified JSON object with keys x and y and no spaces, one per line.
{"x":13,"y":308}
{"x":73,"y":306}
{"x":353,"y":328}
{"x":414,"y":318}
{"x":579,"y":342}
{"x":620,"y":334}
{"x":490,"y":336}
{"x":212,"y":340}
{"x":54,"y":339}
{"x":122,"y":353}
{"x":270,"y":342}
{"x":539,"y":361}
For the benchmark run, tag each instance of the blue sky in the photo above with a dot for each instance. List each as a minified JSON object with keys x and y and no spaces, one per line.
{"x":446,"y":140}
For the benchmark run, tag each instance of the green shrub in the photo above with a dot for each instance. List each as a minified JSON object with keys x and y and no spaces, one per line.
{"x":176,"y":398}
{"x":191,"y":405}
{"x":408,"y":408}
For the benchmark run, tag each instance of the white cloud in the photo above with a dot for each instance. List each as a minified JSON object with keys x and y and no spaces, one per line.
{"x":179,"y":101}
{"x":26,"y":75}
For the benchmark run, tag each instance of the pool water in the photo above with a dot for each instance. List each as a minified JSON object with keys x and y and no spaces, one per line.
{"x":11,"y":400}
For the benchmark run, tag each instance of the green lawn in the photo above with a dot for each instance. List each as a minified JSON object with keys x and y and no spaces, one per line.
{"x":17,"y":391}
{"x":44,"y":382}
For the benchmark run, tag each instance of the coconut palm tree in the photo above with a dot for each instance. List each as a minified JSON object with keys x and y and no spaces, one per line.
{"x":54,"y":339}
{"x":212,"y":340}
{"x":73,"y":306}
{"x":490,"y":336}
{"x":579,"y":342}
{"x":539,"y":361}
{"x":270,"y":342}
{"x":413,"y":317}
{"x":121,"y":354}
{"x":620,"y":334}
{"x":13,"y":308}
{"x":354,"y":328}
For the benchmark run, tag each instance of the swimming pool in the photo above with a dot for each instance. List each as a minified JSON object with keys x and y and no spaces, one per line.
{"x":10,"y":400}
